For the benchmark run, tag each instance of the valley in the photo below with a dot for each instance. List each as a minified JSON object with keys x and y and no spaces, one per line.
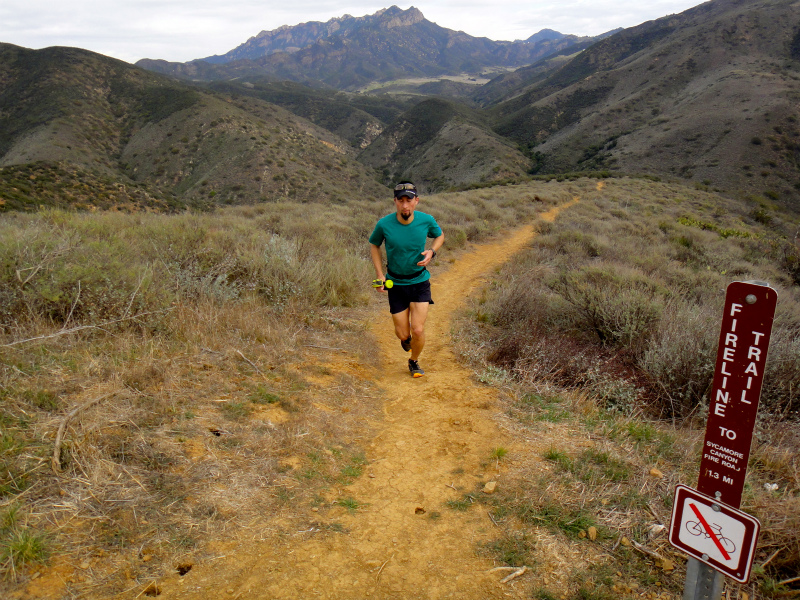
{"x":465,"y":78}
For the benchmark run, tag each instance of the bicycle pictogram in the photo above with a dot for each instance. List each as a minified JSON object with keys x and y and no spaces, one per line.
{"x":696,"y":528}
{"x":714,"y":533}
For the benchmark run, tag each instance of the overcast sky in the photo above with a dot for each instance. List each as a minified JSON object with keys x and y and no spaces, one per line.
{"x":182,"y":30}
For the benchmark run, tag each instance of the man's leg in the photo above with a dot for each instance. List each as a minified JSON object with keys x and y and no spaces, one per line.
{"x":417,"y":314}
{"x":402,"y":327}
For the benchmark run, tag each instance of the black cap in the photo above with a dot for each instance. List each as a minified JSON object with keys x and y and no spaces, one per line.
{"x":405,"y":188}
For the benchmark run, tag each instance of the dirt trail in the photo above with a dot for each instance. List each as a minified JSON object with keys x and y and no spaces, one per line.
{"x":433,"y":445}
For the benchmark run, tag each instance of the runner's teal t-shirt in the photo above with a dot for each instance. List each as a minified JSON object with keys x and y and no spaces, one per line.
{"x":404,"y":245}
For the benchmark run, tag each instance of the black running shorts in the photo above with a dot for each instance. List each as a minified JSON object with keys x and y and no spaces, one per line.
{"x":401,"y":296}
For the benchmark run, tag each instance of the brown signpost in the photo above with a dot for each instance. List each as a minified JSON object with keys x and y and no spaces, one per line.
{"x":736,"y":390}
{"x":720,"y":540}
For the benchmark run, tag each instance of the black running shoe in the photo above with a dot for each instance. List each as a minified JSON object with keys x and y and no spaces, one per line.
{"x":406,"y":344}
{"x":415,"y":369}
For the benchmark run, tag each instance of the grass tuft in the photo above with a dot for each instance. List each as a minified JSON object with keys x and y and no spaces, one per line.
{"x":20,"y":544}
{"x":351,"y":504}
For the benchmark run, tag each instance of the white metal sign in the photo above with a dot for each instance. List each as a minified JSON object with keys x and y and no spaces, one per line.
{"x":714,"y":533}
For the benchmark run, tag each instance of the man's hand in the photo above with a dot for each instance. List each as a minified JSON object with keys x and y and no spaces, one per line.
{"x":428,"y":254}
{"x":378,"y":284}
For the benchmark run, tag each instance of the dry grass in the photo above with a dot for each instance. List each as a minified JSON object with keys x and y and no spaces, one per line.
{"x":231,"y":355}
{"x":242,"y":413}
{"x":592,"y":380}
{"x":228,"y":407}
{"x":586,"y":467}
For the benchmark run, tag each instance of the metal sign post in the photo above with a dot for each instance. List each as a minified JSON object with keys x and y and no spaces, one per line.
{"x":702,"y":582}
{"x":706,"y":523}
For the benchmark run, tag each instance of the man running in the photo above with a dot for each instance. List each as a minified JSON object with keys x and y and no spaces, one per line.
{"x":405,"y":232}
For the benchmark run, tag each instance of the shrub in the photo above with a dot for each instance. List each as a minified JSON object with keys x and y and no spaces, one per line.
{"x":761,"y":215}
{"x":621,"y":297}
{"x":618,"y":308}
{"x":71,"y":269}
{"x":681,"y":366}
{"x":780,"y":394}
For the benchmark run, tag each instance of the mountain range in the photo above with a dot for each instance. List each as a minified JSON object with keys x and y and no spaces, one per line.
{"x":349,"y":52}
{"x":317,"y":110}
{"x":709,"y":95}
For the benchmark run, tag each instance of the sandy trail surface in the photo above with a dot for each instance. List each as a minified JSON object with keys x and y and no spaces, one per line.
{"x":433,"y":445}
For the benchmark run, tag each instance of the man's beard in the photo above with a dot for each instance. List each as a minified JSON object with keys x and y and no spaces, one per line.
{"x":406,"y":214}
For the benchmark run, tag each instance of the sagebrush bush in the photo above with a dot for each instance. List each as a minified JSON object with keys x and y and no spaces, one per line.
{"x":680,"y":356}
{"x":60,"y":274}
{"x":66,"y":269}
{"x":780,"y":394}
{"x":95,"y":268}
{"x":629,"y":273}
{"x":620,"y":309}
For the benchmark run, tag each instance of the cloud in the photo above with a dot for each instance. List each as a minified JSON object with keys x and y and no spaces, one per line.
{"x":509,"y":20}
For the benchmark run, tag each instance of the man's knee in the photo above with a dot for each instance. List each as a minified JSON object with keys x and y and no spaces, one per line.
{"x":418,"y":331}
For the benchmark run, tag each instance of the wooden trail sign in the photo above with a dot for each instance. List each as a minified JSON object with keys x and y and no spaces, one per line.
{"x":721,"y":540}
{"x":743,"y":342}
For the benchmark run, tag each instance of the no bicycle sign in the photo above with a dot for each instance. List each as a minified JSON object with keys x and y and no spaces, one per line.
{"x":718,"y":535}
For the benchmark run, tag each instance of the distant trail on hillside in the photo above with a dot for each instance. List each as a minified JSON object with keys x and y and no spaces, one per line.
{"x":432,"y":447}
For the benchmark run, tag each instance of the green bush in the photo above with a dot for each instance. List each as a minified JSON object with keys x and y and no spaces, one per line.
{"x":622,"y":295}
{"x":620,"y":309}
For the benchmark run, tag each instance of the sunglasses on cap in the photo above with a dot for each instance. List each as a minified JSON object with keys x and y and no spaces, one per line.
{"x":405,"y":189}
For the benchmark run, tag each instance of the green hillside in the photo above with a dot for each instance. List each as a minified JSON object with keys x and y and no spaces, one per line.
{"x":442,"y":144}
{"x":704,"y":96}
{"x":708,"y":96}
{"x":82,"y":121}
{"x":357,"y":118}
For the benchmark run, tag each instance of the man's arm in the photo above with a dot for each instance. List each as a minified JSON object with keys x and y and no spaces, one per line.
{"x":428,"y":254}
{"x":377,"y":260}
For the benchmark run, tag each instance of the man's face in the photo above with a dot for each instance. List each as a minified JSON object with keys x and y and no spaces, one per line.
{"x":405,"y":206}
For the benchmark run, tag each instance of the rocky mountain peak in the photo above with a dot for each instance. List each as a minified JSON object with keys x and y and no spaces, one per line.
{"x":293,"y":38}
{"x":396,"y":17}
